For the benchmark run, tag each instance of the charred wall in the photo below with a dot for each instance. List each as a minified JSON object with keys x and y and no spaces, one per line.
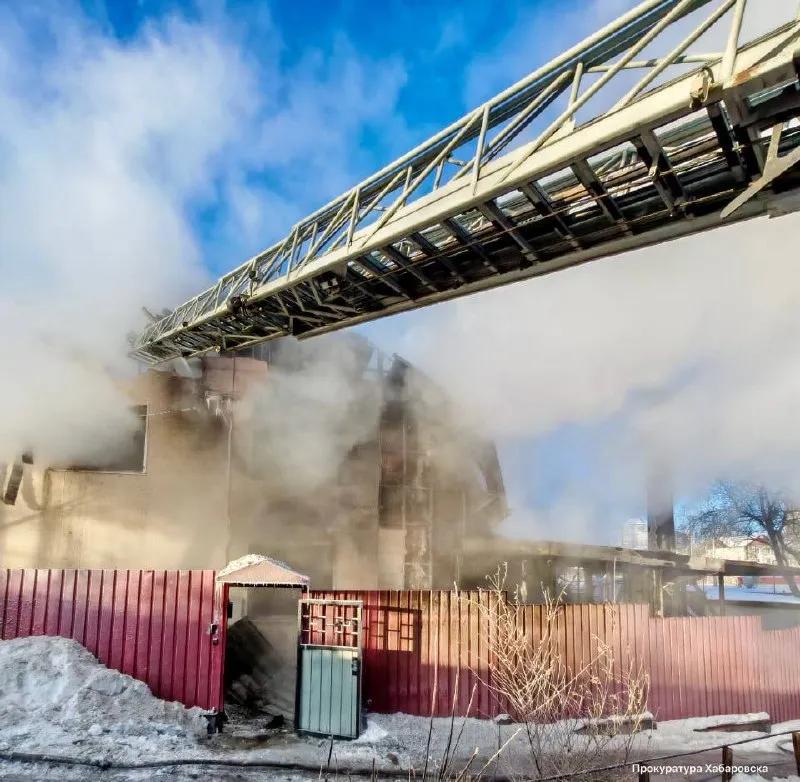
{"x":224,"y":474}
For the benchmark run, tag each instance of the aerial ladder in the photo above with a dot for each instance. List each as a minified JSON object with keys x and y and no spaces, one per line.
{"x":605,"y":149}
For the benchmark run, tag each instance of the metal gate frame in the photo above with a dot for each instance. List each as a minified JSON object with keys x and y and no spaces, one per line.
{"x":329,"y":624}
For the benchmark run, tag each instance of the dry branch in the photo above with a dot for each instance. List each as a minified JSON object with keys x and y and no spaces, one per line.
{"x":574,"y":714}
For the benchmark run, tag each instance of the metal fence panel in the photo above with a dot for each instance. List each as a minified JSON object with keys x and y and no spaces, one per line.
{"x":151,"y":624}
{"x":423,"y":651}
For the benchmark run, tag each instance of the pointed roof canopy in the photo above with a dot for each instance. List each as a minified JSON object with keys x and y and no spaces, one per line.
{"x":258,"y":570}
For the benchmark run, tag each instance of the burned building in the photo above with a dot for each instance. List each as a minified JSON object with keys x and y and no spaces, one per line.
{"x":347,"y":463}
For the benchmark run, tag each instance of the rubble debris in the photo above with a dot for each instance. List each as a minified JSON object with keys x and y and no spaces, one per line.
{"x":253,"y":673}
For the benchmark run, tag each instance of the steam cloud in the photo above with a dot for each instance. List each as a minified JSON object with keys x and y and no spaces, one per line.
{"x":682,"y":353}
{"x":687,"y":351}
{"x":110,"y":150}
{"x":316,"y":405}
{"x":98,"y":168}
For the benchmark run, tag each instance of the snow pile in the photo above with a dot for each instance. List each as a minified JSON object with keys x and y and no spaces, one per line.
{"x":745,"y":721}
{"x":373,"y":734}
{"x":697,"y":733}
{"x":53,"y":691}
{"x":55,"y":698}
{"x":279,"y":573}
{"x":615,"y":723}
{"x":246,"y":561}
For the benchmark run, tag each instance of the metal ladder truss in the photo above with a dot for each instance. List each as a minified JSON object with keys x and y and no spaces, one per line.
{"x":504,"y":194}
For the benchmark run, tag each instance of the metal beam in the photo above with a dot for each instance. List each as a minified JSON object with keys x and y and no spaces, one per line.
{"x":586,"y":176}
{"x":465,"y":240}
{"x":540,"y":201}
{"x":384,"y":275}
{"x":405,"y":263}
{"x":652,"y":154}
{"x":726,"y":143}
{"x":492,"y":212}
{"x":432,"y":251}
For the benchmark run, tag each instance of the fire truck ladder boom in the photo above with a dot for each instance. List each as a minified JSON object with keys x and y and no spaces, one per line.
{"x":519,"y":186}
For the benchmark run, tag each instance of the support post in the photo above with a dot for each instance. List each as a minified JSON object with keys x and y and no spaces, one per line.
{"x":545,"y":570}
{"x":576,"y":84}
{"x":721,"y":585}
{"x":476,"y":166}
{"x":727,"y":764}
{"x":796,"y":747}
{"x":732,"y":45}
{"x":657,"y":599}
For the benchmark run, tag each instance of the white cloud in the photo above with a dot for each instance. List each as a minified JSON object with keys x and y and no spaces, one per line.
{"x":310,"y":136}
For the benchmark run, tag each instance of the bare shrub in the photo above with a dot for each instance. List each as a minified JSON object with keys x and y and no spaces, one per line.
{"x":573,"y":719}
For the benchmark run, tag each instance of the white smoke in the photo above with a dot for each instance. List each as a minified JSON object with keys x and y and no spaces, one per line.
{"x":107,"y":147}
{"x":684,"y":352}
{"x":689,"y":350}
{"x":317,"y":404}
{"x":102,"y":145}
{"x":110,"y":149}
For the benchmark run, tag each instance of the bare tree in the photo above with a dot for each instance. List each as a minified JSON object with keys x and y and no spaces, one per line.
{"x":740,"y":508}
{"x":573,"y":718}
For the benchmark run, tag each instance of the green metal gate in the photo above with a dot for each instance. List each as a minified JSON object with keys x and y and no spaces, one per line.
{"x":329,"y":667}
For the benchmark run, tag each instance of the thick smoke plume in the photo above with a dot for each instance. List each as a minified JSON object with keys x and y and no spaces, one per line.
{"x":98,"y":169}
{"x":687,"y":350}
{"x":687,"y":353}
{"x":118,"y":157}
{"x":317,"y":404}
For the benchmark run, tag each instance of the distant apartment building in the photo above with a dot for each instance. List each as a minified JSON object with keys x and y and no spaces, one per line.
{"x":746,"y":548}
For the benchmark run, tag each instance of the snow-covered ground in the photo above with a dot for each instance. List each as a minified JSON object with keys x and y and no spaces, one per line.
{"x":56,"y":699}
{"x":760,"y":594}
{"x":55,"y":696}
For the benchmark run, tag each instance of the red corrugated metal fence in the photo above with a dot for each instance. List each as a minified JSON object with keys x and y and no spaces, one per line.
{"x":419,"y":647}
{"x":150,"y":624}
{"x":418,"y":644}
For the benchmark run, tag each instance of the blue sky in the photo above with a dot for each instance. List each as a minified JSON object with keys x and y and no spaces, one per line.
{"x":423,"y":63}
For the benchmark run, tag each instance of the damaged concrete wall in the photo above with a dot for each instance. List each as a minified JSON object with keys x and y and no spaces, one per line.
{"x":167,"y":516}
{"x":354,"y":473}
{"x":439,"y":483}
{"x":391,"y":512}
